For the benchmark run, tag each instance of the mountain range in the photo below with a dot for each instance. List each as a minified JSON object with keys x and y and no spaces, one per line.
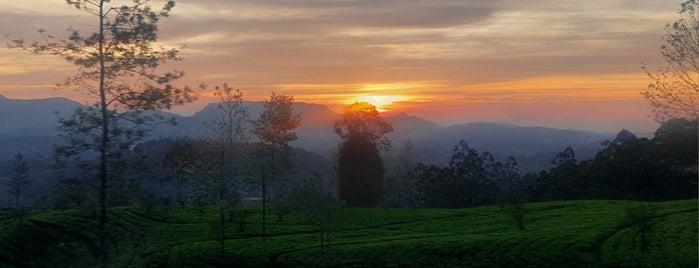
{"x":30,"y":127}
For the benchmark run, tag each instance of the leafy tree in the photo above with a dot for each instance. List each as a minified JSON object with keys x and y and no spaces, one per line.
{"x":18,"y":178}
{"x":471,"y":179}
{"x":319,"y":207}
{"x":360,"y":167}
{"x":435,"y":187}
{"x":70,"y":191}
{"x":182,"y":159}
{"x":277,"y":123}
{"x":677,"y":138}
{"x":471,"y":174}
{"x":674,"y":90}
{"x":276,"y":127}
{"x":567,"y":179}
{"x":509,"y":185}
{"x":629,"y":167}
{"x":677,"y":146}
{"x":222,"y":173}
{"x":566,"y":157}
{"x":282,"y":204}
{"x":399,"y":182}
{"x":118,"y":66}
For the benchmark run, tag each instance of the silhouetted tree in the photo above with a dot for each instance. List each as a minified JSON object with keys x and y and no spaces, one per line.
{"x":510,"y":188}
{"x":118,"y":66}
{"x":18,"y":178}
{"x":677,"y":139}
{"x":222,"y":173}
{"x":677,"y":146}
{"x":629,"y":167}
{"x":436,"y":187}
{"x":566,"y":157}
{"x":319,"y":206}
{"x":182,"y":160}
{"x":276,"y":127}
{"x":471,"y":179}
{"x":470,"y":174}
{"x":281,"y":205}
{"x":674,"y":90}
{"x":360,"y":167}
{"x":399,"y":182}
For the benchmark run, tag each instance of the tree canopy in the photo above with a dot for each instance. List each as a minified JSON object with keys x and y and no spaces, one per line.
{"x":674,"y":89}
{"x":360,"y":167}
{"x":118,"y":64}
{"x":361,"y":120}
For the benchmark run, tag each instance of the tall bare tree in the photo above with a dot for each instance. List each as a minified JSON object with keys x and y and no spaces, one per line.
{"x":276,"y":127}
{"x":674,"y":90}
{"x":118,"y":66}
{"x":19,"y":177}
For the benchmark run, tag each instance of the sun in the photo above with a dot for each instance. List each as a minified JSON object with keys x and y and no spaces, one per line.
{"x":381,"y":101}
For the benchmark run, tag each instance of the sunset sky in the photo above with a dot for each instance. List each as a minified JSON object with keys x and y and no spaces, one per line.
{"x":555,"y":63}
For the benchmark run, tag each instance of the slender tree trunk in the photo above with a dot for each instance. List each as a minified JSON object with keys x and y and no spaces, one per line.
{"x":103,"y":251}
{"x":264,"y":195}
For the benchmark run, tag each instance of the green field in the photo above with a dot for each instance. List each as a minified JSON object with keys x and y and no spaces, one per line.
{"x":567,"y":233}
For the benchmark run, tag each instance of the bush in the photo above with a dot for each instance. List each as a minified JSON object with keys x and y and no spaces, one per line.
{"x":640,"y":216}
{"x":517,"y":212}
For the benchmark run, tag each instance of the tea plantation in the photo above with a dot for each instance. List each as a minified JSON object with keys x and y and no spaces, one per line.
{"x":567,"y":233}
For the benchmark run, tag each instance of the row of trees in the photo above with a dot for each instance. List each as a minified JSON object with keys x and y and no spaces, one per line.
{"x":628,"y":167}
{"x":470,"y":179}
{"x":664,"y":167}
{"x":214,"y":170}
{"x":119,"y":65}
{"x":661,"y":168}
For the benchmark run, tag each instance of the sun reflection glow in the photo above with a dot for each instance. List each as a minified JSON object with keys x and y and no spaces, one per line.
{"x":382,"y":102}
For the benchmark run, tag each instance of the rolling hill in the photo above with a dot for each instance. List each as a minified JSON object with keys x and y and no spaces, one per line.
{"x":534,"y":147}
{"x":569,"y":233}
{"x":38,"y":117}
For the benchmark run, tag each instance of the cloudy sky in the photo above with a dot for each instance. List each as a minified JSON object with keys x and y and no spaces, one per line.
{"x":556,"y":63}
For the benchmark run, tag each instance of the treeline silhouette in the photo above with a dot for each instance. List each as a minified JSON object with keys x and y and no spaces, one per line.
{"x":628,"y":167}
{"x":663,"y":167}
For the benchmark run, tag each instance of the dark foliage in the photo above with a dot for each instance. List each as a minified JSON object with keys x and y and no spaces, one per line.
{"x":360,"y":169}
{"x":662,"y":168}
{"x":471,"y":179}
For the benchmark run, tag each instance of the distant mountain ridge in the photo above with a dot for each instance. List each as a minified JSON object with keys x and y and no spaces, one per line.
{"x":33,"y":117}
{"x":433,"y":143}
{"x":533,"y":147}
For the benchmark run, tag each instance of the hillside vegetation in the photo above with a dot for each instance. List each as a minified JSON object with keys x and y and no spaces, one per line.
{"x":571,"y":233}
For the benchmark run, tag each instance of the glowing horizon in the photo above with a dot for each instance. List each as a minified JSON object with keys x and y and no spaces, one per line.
{"x":558,"y":64}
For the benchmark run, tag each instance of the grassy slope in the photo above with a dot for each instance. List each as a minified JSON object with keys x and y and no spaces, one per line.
{"x":571,"y":233}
